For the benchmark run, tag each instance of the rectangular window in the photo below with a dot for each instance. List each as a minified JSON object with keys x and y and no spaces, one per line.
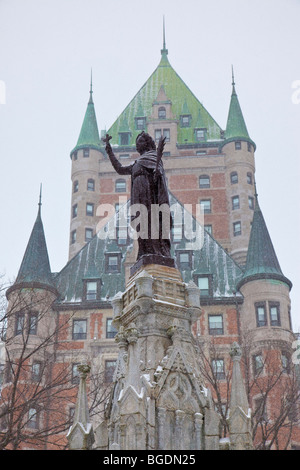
{"x":258,"y":364}
{"x":73,"y":236}
{"x":238,"y":145}
{"x":157,"y":134}
{"x":251,"y":202}
{"x":36,"y":371}
{"x":200,"y":134}
{"x":91,"y":290}
{"x":75,"y":186}
{"x":237,"y":229}
{"x":203,"y":284}
{"x":261,"y":317}
{"x":274,"y":313}
{"x":260,"y":412}
{"x":110,"y":329}
{"x":206,"y":206}
{"x":32,"y":323}
{"x":79,"y":329}
{"x":74,"y":210}
{"x":176,"y":232}
{"x":204,"y":181}
{"x":184,"y":259}
{"x":140,"y":123}
{"x":249,"y":178}
{"x":215,"y":324}
{"x":285,"y":362}
{"x":124,"y":138}
{"x":109,"y":370}
{"x":20,"y":319}
{"x":86,"y":153}
{"x":124,"y":156}
{"x":88,"y":234}
{"x":234,"y":177}
{"x":235,"y":202}
{"x":112,"y":263}
{"x":89,"y":209}
{"x":75,"y":374}
{"x":32,"y":418}
{"x":218,"y":368}
{"x":122,"y":235}
{"x":208,"y":228}
{"x":166,"y":134}
{"x":120,"y":186}
{"x":91,"y":184}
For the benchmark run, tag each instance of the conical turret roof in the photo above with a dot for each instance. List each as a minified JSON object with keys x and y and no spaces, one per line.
{"x":262,"y":262}
{"x":35,"y":266}
{"x":89,"y":134}
{"x":236,"y":128}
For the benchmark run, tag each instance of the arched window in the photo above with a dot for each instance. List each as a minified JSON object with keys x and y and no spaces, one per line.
{"x":120,"y":186}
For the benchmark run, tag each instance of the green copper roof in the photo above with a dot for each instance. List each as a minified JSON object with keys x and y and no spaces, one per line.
{"x":209,"y":259}
{"x":35,"y":267}
{"x":236,"y":127}
{"x":181,"y":98}
{"x":89,"y":134}
{"x":262,"y":262}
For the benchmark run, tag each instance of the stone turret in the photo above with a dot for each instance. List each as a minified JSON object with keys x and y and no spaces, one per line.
{"x":85,"y":181}
{"x":240,"y":168}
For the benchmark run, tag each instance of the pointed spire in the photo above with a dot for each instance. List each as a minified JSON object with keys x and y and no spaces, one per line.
{"x":236,"y":126}
{"x":35,"y":266}
{"x":40,"y":200}
{"x":89,"y":134}
{"x":262,"y":262}
{"x":164,"y":51}
{"x":91,"y":88}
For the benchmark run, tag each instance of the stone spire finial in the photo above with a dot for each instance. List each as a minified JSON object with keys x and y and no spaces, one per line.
{"x":239,"y":414}
{"x":81,"y":435}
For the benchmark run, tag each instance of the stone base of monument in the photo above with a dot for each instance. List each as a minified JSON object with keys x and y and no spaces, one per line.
{"x":159,"y":400}
{"x":152,"y":259}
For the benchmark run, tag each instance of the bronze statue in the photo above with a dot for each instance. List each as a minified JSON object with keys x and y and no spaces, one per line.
{"x":149,"y":190}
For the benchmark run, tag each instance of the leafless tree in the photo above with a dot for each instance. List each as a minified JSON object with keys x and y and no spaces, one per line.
{"x":39,"y":387}
{"x":271,"y":386}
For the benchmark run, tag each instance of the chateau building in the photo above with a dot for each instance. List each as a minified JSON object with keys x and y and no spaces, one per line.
{"x":244,"y":295}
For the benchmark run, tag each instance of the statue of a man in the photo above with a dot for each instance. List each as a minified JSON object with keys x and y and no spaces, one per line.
{"x":149,"y":189}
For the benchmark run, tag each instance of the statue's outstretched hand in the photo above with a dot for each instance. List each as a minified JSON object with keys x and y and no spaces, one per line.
{"x":161,"y":146}
{"x":106,"y":139}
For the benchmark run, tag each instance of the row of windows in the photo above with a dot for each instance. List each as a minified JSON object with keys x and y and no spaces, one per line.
{"x":216,"y":324}
{"x":258,"y":364}
{"x":79,"y":329}
{"x":234,"y":177}
{"x":267,"y":313}
{"x":90,"y":185}
{"x":86,"y":154}
{"x":89,"y":209}
{"x":238,"y":145}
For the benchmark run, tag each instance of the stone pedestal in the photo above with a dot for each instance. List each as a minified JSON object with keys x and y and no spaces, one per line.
{"x":159,"y":400}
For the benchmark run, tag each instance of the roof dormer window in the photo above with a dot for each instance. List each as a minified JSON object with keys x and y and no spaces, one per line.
{"x":162,"y":113}
{"x":185,"y":120}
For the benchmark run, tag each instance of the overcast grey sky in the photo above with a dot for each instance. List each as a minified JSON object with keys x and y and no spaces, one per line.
{"x":47,"y":50}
